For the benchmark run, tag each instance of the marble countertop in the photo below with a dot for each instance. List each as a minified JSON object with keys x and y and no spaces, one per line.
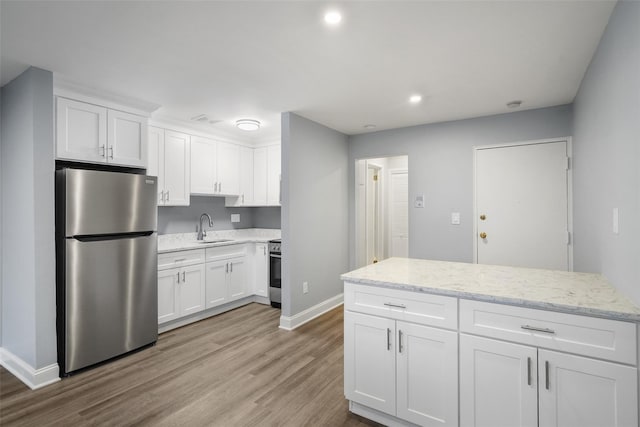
{"x":575,"y":293}
{"x":186,"y":241}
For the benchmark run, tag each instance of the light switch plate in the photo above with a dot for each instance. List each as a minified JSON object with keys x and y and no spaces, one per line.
{"x":235,"y":217}
{"x":419,"y":203}
{"x":455,"y":218}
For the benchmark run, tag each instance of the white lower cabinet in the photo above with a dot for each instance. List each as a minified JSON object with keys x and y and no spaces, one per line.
{"x":226,"y":275}
{"x":525,"y":384}
{"x":261,"y":270}
{"x":406,"y":370}
{"x":180,"y":292}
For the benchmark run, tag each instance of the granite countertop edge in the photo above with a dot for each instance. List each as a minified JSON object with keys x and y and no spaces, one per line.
{"x":497,"y":299}
{"x":168,"y":243}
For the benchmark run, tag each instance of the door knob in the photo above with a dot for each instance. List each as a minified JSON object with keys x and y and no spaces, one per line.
{"x":483,"y":235}
{"x":483,"y":217}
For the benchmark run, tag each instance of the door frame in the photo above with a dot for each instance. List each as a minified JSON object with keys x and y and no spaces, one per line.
{"x":380,"y":210}
{"x":568,"y":141}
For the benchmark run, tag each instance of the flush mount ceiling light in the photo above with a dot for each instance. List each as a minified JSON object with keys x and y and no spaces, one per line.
{"x":514,"y":104}
{"x":248,"y":124}
{"x":333,"y":17}
{"x":414,"y":99}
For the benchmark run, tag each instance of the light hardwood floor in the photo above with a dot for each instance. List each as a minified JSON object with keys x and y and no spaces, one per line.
{"x":235,"y":369}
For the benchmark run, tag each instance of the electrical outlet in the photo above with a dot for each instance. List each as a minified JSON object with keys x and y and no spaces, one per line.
{"x":305,"y":287}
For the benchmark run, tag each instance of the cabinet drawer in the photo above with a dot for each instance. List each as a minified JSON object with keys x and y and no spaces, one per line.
{"x":224,"y":252}
{"x":180,"y":258}
{"x":416,"y":307}
{"x":589,"y":336}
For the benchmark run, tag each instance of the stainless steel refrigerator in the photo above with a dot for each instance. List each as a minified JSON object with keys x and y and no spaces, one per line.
{"x":106,"y":249}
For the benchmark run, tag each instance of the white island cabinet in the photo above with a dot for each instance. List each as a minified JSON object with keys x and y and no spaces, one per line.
{"x":526,"y":347}
{"x":401,"y":360}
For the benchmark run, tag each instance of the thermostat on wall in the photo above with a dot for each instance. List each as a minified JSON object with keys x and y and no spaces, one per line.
{"x":419,"y":203}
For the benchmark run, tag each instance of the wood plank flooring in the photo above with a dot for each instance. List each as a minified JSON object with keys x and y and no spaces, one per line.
{"x":235,"y":369}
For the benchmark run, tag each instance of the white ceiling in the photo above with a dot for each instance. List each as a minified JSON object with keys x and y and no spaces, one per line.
{"x":255,"y":59}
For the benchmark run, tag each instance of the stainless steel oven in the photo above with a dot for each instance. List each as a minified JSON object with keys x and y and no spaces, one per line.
{"x":275,"y":276}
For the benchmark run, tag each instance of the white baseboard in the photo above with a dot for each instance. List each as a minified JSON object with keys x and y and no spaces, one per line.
{"x":183,"y":321}
{"x":290,"y":323}
{"x":33,"y":378}
{"x":377,"y":416}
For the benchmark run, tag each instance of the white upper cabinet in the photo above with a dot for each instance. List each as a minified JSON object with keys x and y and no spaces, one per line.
{"x":260,"y":176}
{"x":273,"y":175}
{"x":81,"y":131}
{"x":92,"y":133}
{"x":203,"y":166}
{"x":228,"y":160}
{"x":126,"y":139}
{"x":214,"y":167}
{"x":266,"y":176}
{"x":169,"y":160}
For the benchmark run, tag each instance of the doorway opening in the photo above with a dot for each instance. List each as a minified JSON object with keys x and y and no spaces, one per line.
{"x":381,"y":209}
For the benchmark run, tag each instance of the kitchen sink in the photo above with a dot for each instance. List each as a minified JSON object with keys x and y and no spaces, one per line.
{"x":214,"y":241}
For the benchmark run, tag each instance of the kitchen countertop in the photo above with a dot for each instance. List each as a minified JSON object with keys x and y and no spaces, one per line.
{"x":575,"y":293}
{"x":186,"y":241}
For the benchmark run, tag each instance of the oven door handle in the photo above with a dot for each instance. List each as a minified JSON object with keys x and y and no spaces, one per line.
{"x":275,"y":256}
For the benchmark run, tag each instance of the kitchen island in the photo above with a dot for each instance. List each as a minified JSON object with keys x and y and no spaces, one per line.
{"x":443,"y":343}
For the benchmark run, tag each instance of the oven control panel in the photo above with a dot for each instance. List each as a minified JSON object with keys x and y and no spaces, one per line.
{"x":274,"y":246}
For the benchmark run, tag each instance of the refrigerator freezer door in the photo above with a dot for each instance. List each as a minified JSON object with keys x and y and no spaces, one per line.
{"x":100,"y":202}
{"x":111,"y":298}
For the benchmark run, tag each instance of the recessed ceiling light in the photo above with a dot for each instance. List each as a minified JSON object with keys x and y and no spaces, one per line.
{"x":414,"y":99}
{"x":369,"y":126}
{"x":333,"y":17}
{"x":248,"y":124}
{"x":514,"y":104}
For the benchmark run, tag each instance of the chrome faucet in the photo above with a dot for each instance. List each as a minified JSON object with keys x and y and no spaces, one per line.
{"x":201,"y":233}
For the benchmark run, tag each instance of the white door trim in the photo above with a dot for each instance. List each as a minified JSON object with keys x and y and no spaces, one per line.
{"x":566,"y":139}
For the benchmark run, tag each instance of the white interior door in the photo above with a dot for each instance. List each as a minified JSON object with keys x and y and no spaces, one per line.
{"x":399,"y":213}
{"x":522,"y":202}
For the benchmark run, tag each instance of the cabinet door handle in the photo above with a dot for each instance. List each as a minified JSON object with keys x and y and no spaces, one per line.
{"x":388,"y":339}
{"x":220,"y":187}
{"x":399,"y":340}
{"x":178,"y":277}
{"x":104,"y":152}
{"x":536,"y":329}
{"x":388,"y":304}
{"x":111,"y":151}
{"x":226,"y":268}
{"x":162,"y":195}
{"x":528,"y":371}
{"x":264,"y":250}
{"x":167,"y":194}
{"x":546,"y":374}
{"x":183,"y":276}
{"x":230,"y":267}
{"x":243,"y":199}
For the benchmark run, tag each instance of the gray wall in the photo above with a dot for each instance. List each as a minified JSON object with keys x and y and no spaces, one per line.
{"x":607,"y":155}
{"x":266,"y":217}
{"x":183,"y":219}
{"x":314,"y":212}
{"x":441,"y":168}
{"x":28,"y":269}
